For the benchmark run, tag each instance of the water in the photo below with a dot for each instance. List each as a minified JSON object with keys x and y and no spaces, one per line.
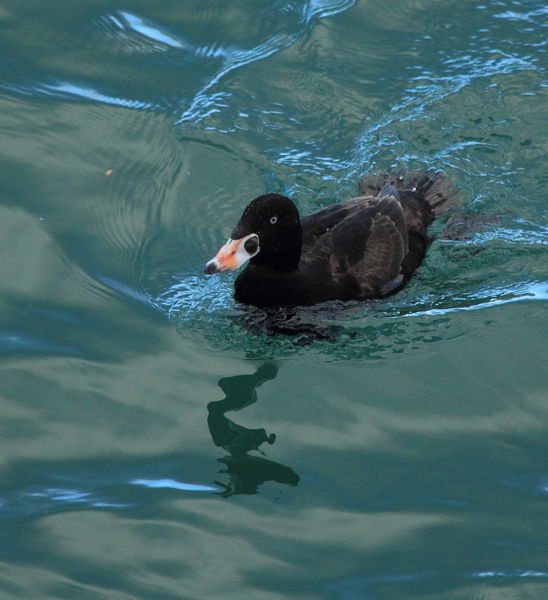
{"x":157,"y":440}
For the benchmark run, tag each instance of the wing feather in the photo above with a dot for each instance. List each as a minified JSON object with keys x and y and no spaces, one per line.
{"x":364,"y":239}
{"x":370,"y":246}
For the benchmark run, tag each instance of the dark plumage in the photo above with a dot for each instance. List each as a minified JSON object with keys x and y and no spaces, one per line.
{"x":366,"y":247}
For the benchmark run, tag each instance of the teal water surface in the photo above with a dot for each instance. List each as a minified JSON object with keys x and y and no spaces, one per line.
{"x":158,"y":442}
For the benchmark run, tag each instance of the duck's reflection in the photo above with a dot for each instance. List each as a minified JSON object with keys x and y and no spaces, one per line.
{"x":245,"y":472}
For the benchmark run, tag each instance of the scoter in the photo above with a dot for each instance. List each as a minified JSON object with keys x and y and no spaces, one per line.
{"x":362,"y":248}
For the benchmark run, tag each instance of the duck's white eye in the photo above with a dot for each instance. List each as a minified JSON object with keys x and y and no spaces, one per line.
{"x":273,"y":220}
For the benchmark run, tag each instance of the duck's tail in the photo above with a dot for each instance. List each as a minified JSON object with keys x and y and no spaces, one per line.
{"x":426,"y":196}
{"x":433,"y":191}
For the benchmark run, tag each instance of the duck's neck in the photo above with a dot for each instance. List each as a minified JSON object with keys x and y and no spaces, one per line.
{"x":283,"y":256}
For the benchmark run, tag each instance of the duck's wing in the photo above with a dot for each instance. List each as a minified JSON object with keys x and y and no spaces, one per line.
{"x":369,"y":246}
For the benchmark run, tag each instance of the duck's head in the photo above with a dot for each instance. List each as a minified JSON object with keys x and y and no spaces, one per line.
{"x":268,"y":233}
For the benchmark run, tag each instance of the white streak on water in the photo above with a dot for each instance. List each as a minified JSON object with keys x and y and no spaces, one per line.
{"x":175,"y":485}
{"x":511,"y":573}
{"x":89,"y":93}
{"x":149,"y":30}
{"x":533,"y":292}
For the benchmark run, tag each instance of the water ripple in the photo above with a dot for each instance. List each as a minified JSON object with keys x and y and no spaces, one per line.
{"x":205,"y":104}
{"x":321,"y":9}
{"x":193,"y":295}
{"x":512,"y":15}
{"x":69,"y":90}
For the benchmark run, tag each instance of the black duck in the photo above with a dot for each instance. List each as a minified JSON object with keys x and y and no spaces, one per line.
{"x":365,"y":247}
